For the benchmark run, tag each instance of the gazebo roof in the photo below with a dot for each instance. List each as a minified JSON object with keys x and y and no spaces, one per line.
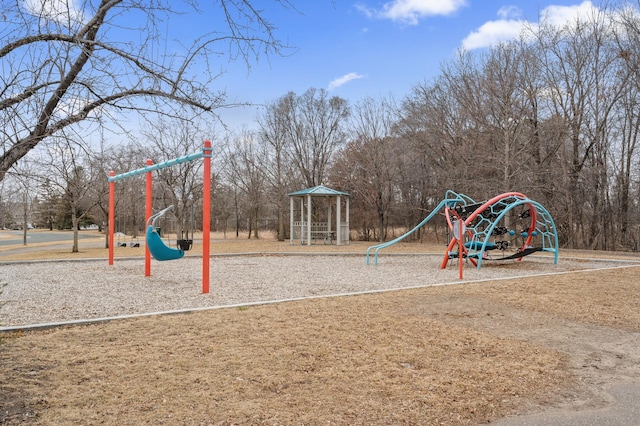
{"x":318,"y":191}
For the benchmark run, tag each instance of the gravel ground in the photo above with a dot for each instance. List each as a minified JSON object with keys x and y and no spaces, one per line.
{"x":65,"y":291}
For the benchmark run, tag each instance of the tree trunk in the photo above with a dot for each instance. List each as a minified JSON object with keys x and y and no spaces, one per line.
{"x":25,"y":213}
{"x":74,"y":226}
{"x":255,"y":223}
{"x":280,"y":221}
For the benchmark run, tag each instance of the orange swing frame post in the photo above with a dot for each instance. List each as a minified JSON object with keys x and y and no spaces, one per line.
{"x":205,"y":154}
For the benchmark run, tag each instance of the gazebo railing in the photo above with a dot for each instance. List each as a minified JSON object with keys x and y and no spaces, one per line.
{"x":319,"y":232}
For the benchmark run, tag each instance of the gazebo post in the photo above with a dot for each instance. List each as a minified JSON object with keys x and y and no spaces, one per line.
{"x":291,"y":220}
{"x":347,"y":221}
{"x":309,"y":219}
{"x":338,"y":230}
{"x":303,"y":231}
{"x":329,"y":217}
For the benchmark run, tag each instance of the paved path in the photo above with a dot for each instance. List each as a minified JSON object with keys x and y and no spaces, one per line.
{"x":11,"y":242}
{"x":8,"y":238}
{"x":624,"y":410}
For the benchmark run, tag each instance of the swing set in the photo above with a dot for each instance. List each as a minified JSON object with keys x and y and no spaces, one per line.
{"x":155,"y":246}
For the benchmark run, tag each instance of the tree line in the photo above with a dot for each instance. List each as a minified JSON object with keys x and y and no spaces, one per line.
{"x":553,"y":115}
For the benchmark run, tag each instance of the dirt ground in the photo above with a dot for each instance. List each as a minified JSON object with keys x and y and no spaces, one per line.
{"x":466,"y":354}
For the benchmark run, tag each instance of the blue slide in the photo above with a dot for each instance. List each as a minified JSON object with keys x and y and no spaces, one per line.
{"x":450,"y":198}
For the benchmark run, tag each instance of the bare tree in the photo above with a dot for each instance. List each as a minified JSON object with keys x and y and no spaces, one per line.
{"x":366,"y":165}
{"x":276,"y":160}
{"x":66,"y":63}
{"x":129,"y":193}
{"x":71,"y":164}
{"x":627,"y":39}
{"x":585,"y":80}
{"x":243,"y":159}
{"x":26,"y":182}
{"x":437,"y":152}
{"x":505,"y":115}
{"x":179,"y":185}
{"x":315,"y":131}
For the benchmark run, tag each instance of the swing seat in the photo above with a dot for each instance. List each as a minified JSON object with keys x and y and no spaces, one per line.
{"x":477,"y":245}
{"x":158,"y":249}
{"x":185,"y":244}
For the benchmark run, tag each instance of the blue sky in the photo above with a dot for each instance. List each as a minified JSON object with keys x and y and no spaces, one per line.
{"x":371,"y":48}
{"x":352,"y":48}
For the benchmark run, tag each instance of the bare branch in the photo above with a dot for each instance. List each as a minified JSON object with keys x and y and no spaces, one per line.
{"x":61,"y":68}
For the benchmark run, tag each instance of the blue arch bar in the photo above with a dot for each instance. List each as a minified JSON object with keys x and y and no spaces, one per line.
{"x":164,"y":164}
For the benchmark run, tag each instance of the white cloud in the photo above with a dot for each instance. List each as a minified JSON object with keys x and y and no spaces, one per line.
{"x":411,"y":11}
{"x":344,"y":80}
{"x":493,"y":32}
{"x":60,"y":11}
{"x":560,"y":15}
{"x":510,"y":26}
{"x":509,"y":12}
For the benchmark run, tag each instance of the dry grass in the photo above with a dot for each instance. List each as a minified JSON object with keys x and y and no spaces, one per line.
{"x":418,"y":356}
{"x":360,"y":360}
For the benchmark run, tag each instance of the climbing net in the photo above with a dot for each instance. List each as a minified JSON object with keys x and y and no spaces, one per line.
{"x":510,"y":223}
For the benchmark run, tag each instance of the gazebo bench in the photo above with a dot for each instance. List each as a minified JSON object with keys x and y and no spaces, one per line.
{"x":325,"y":236}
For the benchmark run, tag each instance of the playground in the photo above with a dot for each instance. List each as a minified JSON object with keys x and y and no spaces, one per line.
{"x":530,"y":336}
{"x":324,"y":334}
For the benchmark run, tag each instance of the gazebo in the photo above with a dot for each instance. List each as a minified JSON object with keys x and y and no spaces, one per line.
{"x":310,"y":222}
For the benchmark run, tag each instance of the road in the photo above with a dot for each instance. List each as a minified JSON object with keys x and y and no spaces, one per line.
{"x":8,"y":238}
{"x":11,"y":242}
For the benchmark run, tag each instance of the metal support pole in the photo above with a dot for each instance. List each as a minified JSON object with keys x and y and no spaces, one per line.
{"x":147,"y":214}
{"x":111,"y":220}
{"x":206,"y":216}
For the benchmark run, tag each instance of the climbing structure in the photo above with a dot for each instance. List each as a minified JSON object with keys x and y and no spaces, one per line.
{"x":510,"y":224}
{"x":506,"y":227}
